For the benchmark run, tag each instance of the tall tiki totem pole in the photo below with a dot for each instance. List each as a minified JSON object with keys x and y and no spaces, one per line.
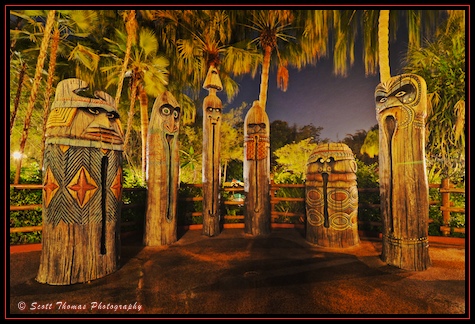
{"x":82,"y":187}
{"x":257,"y":171}
{"x":401,"y":105}
{"x":332,"y":196}
{"x":162,"y":172}
{"x":212,"y":113}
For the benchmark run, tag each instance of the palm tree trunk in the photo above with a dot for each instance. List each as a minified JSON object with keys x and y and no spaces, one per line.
{"x":383,"y":43}
{"x":143,"y":99}
{"x":133,"y":95}
{"x":225,"y":169}
{"x":21,"y":77}
{"x":49,"y":87}
{"x":131,"y":25}
{"x":265,"y":77}
{"x":34,"y":89}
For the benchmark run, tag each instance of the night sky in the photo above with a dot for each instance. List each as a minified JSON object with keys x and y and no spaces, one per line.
{"x":341,"y":105}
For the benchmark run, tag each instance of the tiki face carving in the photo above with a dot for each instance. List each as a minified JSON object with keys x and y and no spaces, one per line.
{"x":101,"y":124}
{"x":171,"y":118}
{"x":401,"y":111}
{"x":82,"y":185}
{"x":77,"y":116}
{"x":162,"y":170}
{"x":332,"y":196}
{"x":256,"y":130}
{"x":212,"y":111}
{"x":213,"y":114}
{"x":406,"y":93}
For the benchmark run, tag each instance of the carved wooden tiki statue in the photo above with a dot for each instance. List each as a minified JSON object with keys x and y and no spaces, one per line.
{"x":162,"y":172}
{"x":401,"y":111}
{"x":82,"y":187}
{"x":256,"y":171}
{"x":332,"y":196}
{"x":212,"y":113}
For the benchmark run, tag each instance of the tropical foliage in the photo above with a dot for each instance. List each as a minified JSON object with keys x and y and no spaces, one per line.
{"x":441,"y":62}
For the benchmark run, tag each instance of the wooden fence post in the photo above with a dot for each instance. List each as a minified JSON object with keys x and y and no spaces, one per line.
{"x":445,"y":202}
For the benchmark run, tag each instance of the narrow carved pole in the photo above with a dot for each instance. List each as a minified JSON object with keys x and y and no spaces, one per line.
{"x":212,"y":113}
{"x":257,"y":220}
{"x":401,"y":105}
{"x":82,"y":187}
{"x":332,"y":197}
{"x":162,"y":172}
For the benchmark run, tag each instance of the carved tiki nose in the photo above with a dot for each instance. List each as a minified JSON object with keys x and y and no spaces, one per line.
{"x":170,"y":126}
{"x":102,"y":121}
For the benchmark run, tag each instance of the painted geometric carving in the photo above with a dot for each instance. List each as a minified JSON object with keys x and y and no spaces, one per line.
{"x":82,"y":187}
{"x":50,"y":186}
{"x":332,"y":196}
{"x":117,"y":184}
{"x":256,"y":170}
{"x":61,"y":117}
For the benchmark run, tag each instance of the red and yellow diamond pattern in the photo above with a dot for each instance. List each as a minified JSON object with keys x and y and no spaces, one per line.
{"x":82,"y":186}
{"x":50,"y":186}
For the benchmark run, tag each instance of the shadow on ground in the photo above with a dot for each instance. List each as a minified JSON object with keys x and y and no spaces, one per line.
{"x":234,"y":275}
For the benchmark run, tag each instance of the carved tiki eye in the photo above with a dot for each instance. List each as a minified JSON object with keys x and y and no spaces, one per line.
{"x":406,"y":93}
{"x":167,"y":110}
{"x":96,"y":111}
{"x":211,"y":109}
{"x":93,"y":111}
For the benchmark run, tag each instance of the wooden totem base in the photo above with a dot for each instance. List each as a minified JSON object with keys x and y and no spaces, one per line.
{"x":407,"y":254}
{"x":256,"y":223}
{"x":72,"y":253}
{"x":329,"y":237}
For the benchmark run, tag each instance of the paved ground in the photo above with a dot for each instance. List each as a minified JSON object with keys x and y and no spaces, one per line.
{"x":234,"y":275}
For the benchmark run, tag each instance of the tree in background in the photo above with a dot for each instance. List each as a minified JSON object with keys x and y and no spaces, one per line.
{"x":232,"y":138}
{"x":282,"y":134}
{"x":359,"y":143}
{"x":34,"y":90}
{"x":294,"y":157}
{"x":442,"y":64}
{"x":147,"y":68}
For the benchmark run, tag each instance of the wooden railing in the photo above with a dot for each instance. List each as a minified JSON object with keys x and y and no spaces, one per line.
{"x":445,"y":189}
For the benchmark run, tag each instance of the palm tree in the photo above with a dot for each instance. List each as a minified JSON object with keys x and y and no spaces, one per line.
{"x":36,"y":83}
{"x":148,"y":72}
{"x":272,"y":26}
{"x":442,"y":63}
{"x":191,"y":159}
{"x":383,"y":43}
{"x":131,"y":28}
{"x":70,"y":24}
{"x":21,"y":77}
{"x":195,"y":39}
{"x":77,"y":23}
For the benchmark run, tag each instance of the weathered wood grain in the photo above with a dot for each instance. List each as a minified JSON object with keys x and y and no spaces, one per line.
{"x":162,"y":172}
{"x":401,"y":107}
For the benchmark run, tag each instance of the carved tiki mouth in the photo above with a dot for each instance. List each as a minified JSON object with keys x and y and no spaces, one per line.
{"x":326,"y":222}
{"x":169,"y":138}
{"x":213,"y":120}
{"x":104,"y":135}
